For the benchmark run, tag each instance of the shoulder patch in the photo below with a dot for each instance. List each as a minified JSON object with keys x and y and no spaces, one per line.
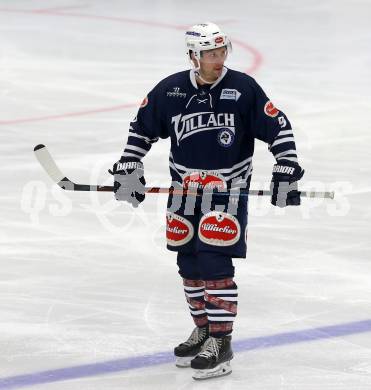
{"x":270,"y":109}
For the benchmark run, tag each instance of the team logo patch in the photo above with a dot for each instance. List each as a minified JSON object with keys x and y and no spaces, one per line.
{"x":230,"y":94}
{"x":225,"y":137}
{"x":179,"y":231}
{"x":203,"y":179}
{"x":270,"y":109}
{"x":219,"y":40}
{"x":219,"y":229}
{"x":144,"y":102}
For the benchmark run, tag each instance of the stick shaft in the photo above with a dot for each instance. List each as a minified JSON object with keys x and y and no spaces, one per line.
{"x":47,"y":162}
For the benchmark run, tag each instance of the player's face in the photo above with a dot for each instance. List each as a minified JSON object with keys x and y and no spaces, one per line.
{"x":211,"y":63}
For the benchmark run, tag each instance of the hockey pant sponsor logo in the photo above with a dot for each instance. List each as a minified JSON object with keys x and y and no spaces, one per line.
{"x":190,"y":124}
{"x":179,"y":231}
{"x":204,"y":180}
{"x":219,"y":229}
{"x":270,"y":109}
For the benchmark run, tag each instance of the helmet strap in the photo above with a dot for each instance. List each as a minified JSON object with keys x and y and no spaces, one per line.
{"x":197,"y":71}
{"x":198,"y":74}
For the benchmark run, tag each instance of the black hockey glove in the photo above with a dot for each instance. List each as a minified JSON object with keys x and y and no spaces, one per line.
{"x":284,"y":185}
{"x":129,"y":182}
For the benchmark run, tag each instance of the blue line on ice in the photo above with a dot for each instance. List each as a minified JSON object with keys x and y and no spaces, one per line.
{"x":154,"y":359}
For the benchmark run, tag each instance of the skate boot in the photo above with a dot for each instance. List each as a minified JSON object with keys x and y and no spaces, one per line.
{"x":214,"y":358}
{"x":186,"y":351}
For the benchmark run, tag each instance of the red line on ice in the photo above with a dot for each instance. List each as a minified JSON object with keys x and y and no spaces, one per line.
{"x":70,"y":114}
{"x":257,"y":57}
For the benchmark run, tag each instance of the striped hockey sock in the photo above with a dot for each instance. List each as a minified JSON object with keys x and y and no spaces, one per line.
{"x":221,"y":306}
{"x":194,"y":291}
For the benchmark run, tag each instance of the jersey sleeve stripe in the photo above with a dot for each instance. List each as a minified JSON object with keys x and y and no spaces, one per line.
{"x":131,"y":148}
{"x":140,"y":143}
{"x":146,"y":139}
{"x":285,"y":153}
{"x":127,"y":154}
{"x":284,"y":132}
{"x":282,"y":140}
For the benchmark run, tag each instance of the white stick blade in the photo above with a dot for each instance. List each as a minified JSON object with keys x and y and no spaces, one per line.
{"x":47,"y":162}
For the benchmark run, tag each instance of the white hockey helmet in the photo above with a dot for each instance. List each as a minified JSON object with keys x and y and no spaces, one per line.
{"x":205,"y":36}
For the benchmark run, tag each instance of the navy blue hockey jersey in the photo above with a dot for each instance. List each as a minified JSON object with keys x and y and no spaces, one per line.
{"x":212,"y":127}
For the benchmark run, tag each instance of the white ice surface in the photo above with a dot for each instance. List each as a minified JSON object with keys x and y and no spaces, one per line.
{"x":86,"y":280}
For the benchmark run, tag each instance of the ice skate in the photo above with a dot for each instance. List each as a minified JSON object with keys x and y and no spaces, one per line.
{"x":186,"y":351}
{"x":214,"y":359}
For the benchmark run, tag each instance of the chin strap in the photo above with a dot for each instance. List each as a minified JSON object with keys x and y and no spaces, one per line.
{"x":196,"y":71}
{"x":198,"y":74}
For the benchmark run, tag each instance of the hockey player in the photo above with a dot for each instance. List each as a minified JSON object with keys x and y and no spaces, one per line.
{"x":212,"y":115}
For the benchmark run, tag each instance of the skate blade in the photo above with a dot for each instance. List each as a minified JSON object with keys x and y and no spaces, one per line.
{"x":183,"y":362}
{"x":220,"y":370}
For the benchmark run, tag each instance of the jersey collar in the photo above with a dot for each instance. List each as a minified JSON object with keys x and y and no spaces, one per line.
{"x":194,"y":82}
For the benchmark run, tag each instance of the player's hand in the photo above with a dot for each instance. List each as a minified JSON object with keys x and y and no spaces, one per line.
{"x":284,"y":185}
{"x":129,"y":182}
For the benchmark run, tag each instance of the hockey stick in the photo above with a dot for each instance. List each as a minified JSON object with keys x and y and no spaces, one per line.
{"x":51,"y":168}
